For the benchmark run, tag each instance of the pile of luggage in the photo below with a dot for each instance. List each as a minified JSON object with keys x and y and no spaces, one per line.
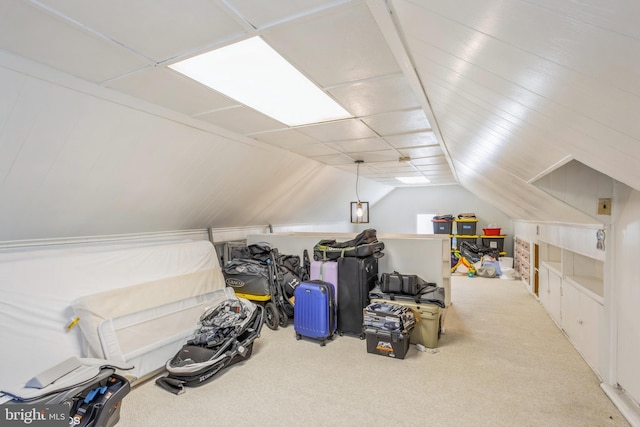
{"x":261,"y":274}
{"x":340,"y":278}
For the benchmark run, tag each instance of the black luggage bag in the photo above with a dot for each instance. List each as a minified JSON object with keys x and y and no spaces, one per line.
{"x":356,"y":277}
{"x":363,"y":245}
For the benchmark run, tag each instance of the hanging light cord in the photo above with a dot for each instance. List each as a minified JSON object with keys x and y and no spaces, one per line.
{"x":357,"y":178}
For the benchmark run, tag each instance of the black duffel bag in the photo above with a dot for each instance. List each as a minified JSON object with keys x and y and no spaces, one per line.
{"x":363,"y":245}
{"x":397,"y":283}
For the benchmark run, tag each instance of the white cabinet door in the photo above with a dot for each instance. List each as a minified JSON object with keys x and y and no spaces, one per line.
{"x":543,"y":287}
{"x":591,"y":320}
{"x":571,"y":313}
{"x":582,"y":320}
{"x":555,"y":297}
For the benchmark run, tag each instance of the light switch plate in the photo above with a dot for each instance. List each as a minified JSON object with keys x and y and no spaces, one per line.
{"x":604,"y":206}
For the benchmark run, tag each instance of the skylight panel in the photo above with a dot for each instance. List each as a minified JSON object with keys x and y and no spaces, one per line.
{"x":253,"y":73}
{"x":413,"y":179}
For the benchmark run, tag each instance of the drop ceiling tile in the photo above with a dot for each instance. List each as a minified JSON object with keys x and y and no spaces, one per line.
{"x":416,"y":139}
{"x":334,"y":159}
{"x":434,"y":168}
{"x":30,"y":32}
{"x":311,"y":150}
{"x":159,"y":30}
{"x":170,"y":89}
{"x":429,"y":161}
{"x":242,"y":120}
{"x":418,"y":152}
{"x":284,"y":138}
{"x":260,"y":13}
{"x":353,"y":146}
{"x":393,"y":171}
{"x":376,"y":156}
{"x":376,"y":96}
{"x":339,"y":130}
{"x":335,"y":48}
{"x":398,"y":122}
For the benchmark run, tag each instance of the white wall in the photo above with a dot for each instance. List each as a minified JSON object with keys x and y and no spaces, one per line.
{"x":77,"y":160}
{"x":396,"y":212}
{"x":579,"y":186}
{"x":626,"y":289}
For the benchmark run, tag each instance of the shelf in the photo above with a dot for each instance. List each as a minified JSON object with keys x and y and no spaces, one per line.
{"x":555,"y":266}
{"x":590,"y":286}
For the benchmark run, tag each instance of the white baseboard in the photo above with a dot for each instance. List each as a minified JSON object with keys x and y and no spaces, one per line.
{"x":624,"y":403}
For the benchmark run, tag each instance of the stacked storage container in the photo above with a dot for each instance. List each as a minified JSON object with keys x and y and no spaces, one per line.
{"x":466,"y":229}
{"x":493,"y":239}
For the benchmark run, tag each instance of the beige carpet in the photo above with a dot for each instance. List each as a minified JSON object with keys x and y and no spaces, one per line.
{"x":501,"y":362}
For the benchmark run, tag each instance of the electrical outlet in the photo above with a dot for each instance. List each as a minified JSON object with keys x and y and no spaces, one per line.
{"x":604,"y":206}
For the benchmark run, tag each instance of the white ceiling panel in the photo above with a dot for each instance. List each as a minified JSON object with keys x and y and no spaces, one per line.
{"x":353,"y":146}
{"x":312,"y":150}
{"x":338,"y":130}
{"x":34,"y":33}
{"x":284,"y":138}
{"x":261,"y":14}
{"x":158,"y":30}
{"x":417,"y":152}
{"x":243,"y":120}
{"x":426,"y":161}
{"x":585,"y":48}
{"x":376,"y":96}
{"x":612,"y":15}
{"x":335,"y":159}
{"x":172,"y":90}
{"x":335,"y":48}
{"x":375,"y":156}
{"x":407,"y":140}
{"x":398,"y":122}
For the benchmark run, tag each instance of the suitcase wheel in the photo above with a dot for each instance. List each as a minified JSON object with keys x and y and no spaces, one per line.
{"x":298,"y":336}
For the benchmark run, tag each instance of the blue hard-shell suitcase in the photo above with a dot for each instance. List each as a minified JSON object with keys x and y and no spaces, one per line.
{"x":314,"y":310}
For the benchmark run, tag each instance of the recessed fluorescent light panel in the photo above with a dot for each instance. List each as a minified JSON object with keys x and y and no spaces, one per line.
{"x":252,"y":73}
{"x":413,"y":179}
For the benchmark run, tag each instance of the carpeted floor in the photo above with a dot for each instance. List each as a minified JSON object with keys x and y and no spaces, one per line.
{"x":501,"y":362}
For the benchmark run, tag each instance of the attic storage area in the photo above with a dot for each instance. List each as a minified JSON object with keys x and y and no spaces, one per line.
{"x":519,"y":111}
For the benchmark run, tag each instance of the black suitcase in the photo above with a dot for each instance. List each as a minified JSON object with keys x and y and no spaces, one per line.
{"x":356,"y":277}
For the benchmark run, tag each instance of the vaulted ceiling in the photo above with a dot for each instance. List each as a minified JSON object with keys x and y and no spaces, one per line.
{"x":491,"y":95}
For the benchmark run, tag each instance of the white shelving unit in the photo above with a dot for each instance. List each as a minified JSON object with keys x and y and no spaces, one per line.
{"x":572,"y":291}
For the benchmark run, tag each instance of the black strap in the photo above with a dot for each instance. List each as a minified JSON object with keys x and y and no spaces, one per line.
{"x":306,"y":263}
{"x":172,"y":385}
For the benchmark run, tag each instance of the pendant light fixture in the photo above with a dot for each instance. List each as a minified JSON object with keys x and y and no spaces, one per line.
{"x":359,"y":210}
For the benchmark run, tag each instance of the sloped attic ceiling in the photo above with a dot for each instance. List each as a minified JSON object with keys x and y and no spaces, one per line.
{"x":491,"y":95}
{"x":520,"y":87}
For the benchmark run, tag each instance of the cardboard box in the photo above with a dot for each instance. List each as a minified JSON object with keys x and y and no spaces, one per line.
{"x":386,"y":343}
{"x":388,"y":316}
